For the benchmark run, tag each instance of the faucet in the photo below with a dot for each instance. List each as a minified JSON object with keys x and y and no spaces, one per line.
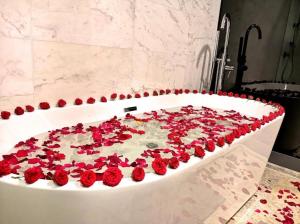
{"x":221,"y":62}
{"x":242,"y":55}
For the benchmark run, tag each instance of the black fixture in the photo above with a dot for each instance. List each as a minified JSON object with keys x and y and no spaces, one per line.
{"x":242,"y":55}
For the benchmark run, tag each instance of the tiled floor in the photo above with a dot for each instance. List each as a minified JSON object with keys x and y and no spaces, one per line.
{"x":276,"y":201}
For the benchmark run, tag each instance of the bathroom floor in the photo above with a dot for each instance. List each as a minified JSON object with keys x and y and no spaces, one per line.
{"x":276,"y":201}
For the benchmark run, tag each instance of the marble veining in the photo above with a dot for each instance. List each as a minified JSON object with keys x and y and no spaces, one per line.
{"x":15,"y":18}
{"x":101,"y":70}
{"x":101,"y":23}
{"x":15,"y":67}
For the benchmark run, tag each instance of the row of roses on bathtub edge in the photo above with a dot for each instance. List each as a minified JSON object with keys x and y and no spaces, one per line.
{"x":5,"y":115}
{"x":113,"y":175}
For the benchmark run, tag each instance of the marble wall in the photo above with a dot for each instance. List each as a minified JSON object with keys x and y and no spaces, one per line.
{"x":54,"y":49}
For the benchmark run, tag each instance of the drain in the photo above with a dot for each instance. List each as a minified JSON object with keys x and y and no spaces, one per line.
{"x":152,"y":145}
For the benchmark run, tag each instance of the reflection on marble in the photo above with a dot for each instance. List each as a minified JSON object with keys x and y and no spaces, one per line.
{"x":15,"y":67}
{"x":72,"y":70}
{"x":15,"y":18}
{"x":101,"y":23}
{"x":199,"y":64}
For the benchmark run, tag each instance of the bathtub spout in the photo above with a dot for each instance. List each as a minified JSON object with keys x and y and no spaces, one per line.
{"x":242,"y":55}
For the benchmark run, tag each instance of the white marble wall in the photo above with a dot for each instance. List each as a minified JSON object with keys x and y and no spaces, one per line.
{"x":52,"y":49}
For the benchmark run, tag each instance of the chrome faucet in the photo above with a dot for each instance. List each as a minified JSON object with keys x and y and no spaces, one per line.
{"x":221,"y":62}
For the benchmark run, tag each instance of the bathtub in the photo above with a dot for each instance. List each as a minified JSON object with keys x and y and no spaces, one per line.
{"x":289,"y":134}
{"x":209,"y":190}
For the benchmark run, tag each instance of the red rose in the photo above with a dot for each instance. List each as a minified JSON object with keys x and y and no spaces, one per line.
{"x":203,"y":91}
{"x":174,"y":163}
{"x":242,"y":130}
{"x":146,"y":94}
{"x":229,"y":138}
{"x":61,"y":103}
{"x":236,"y":95}
{"x":44,"y":105}
{"x":161,"y":92}
{"x":184,"y":157}
{"x":4,"y":168}
{"x":29,"y":108}
{"x":129,"y":96}
{"x":88,"y":178}
{"x":137,"y":95}
{"x":230,"y":94}
{"x":60,"y":177}
{"x":176,"y":91}
{"x":122,"y":97}
{"x":224,"y":93}
{"x":243,"y":96}
{"x":5,"y":115}
{"x":90,"y":100}
{"x":210,"y":145}
{"x":113,"y":96}
{"x":103,"y":99}
{"x":78,"y":101}
{"x":138,"y":174}
{"x":19,"y":111}
{"x":159,"y":166}
{"x":180,"y":91}
{"x":220,"y":93}
{"x":112,"y":176}
{"x":220,"y":141}
{"x":187,"y":91}
{"x":199,"y":151}
{"x":33,"y":174}
{"x":168,"y":91}
{"x":257,"y":99}
{"x":211,"y":92}
{"x":155,"y":93}
{"x":250,"y":97}
{"x":253,"y":126}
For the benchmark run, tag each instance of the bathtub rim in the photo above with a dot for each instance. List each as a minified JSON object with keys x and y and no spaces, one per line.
{"x":127,"y":181}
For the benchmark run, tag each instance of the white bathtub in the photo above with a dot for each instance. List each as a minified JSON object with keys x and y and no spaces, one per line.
{"x":210,"y":190}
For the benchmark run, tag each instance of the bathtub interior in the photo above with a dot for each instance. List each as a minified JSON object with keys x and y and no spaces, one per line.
{"x":19,"y":128}
{"x":270,"y":85}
